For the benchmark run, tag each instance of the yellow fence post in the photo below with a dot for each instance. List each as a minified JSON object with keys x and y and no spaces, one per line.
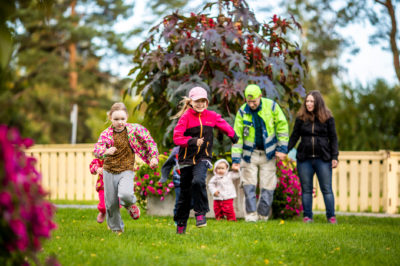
{"x":392,"y":169}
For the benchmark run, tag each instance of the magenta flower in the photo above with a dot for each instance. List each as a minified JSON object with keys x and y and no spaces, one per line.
{"x":146,"y":176}
{"x":151,"y":182}
{"x":27,"y":216}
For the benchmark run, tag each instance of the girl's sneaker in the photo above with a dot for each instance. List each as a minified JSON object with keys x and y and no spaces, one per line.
{"x":332,"y":220}
{"x":100,"y":217}
{"x":201,"y":221}
{"x":181,"y":229}
{"x":134,"y":212}
{"x":307,"y":220}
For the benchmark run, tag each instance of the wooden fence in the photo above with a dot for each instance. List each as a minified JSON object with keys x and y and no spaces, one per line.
{"x":363,"y":181}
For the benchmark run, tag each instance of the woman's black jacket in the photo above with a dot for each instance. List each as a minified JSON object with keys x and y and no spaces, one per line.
{"x":318,"y":140}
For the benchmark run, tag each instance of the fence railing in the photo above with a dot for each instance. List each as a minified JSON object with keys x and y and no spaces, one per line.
{"x":363,"y":181}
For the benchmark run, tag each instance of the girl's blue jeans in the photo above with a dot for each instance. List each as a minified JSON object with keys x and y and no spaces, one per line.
{"x":323,"y":169}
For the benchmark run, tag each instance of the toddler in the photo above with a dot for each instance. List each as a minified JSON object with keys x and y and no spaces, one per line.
{"x":223,"y":190}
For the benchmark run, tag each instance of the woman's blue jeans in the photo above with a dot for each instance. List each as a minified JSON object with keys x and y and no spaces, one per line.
{"x":323,"y":169}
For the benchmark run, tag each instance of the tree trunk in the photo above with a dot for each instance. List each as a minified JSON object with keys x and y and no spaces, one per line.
{"x":73,"y":74}
{"x":393,"y":32}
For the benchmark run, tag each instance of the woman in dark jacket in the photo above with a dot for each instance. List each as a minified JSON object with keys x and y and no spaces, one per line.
{"x":317,"y":152}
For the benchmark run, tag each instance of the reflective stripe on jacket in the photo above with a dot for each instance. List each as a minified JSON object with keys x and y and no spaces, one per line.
{"x":275,"y":131}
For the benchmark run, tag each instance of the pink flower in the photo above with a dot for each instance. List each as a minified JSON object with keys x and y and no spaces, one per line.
{"x":171,"y":185}
{"x":168,"y":190}
{"x":162,"y":198}
{"x":159,"y":191}
{"x":138,"y":184}
{"x":151,"y":190}
{"x":146,"y":176}
{"x":165,"y":153}
{"x":156,"y":173}
{"x":151,"y":182}
{"x":288,"y":199}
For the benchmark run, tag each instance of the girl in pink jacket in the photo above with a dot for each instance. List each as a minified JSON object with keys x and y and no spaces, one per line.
{"x":194,"y":134}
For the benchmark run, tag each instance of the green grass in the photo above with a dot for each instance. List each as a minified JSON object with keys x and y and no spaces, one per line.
{"x":79,"y":240}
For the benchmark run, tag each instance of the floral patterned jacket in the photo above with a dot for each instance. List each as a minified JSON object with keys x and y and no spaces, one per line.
{"x":139,"y":139}
{"x":94,"y":165}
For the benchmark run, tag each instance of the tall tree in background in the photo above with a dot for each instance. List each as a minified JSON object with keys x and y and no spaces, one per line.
{"x":321,"y":42}
{"x":222,"y":53}
{"x":321,"y":21}
{"x":368,"y":118}
{"x":56,"y":64}
{"x":382,"y":15}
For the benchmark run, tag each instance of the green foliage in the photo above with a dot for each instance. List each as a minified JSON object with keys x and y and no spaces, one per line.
{"x":367,"y":118}
{"x":38,"y":95}
{"x":221,"y":53}
{"x":80,"y":240}
{"x":146,"y":182}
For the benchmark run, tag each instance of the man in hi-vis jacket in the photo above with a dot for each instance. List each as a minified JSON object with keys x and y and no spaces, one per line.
{"x":263,"y":135}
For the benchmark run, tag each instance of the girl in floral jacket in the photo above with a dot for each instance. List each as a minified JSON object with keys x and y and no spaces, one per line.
{"x":118,"y":145}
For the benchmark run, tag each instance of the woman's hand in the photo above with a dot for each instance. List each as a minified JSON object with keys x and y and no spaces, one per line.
{"x":110,"y":151}
{"x":334,"y":163}
{"x":216,"y":194}
{"x":153,"y":163}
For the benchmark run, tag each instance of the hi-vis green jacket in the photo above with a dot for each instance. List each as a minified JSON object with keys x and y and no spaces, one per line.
{"x":275,"y":131}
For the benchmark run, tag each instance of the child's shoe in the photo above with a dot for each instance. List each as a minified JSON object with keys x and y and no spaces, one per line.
{"x":307,"y":220}
{"x":134,"y":212}
{"x":181,"y":229}
{"x":332,"y":220}
{"x":100,"y":217}
{"x":201,"y":220}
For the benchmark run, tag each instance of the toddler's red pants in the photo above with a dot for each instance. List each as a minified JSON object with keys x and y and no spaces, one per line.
{"x":224,"y":208}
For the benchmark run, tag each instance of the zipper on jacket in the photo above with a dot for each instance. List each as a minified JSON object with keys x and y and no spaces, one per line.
{"x":184,"y":156}
{"x":312,"y":139}
{"x":206,"y":149}
{"x":201,"y":133}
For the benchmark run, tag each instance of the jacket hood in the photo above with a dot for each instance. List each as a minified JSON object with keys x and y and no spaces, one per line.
{"x":218,"y":162}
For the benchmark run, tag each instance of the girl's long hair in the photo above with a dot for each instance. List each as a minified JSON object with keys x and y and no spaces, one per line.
{"x":117,"y":107}
{"x":185,"y":104}
{"x":321,"y":111}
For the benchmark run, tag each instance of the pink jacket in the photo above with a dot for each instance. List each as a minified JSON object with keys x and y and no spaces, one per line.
{"x":139,"y":139}
{"x":192,"y":126}
{"x":94,"y":165}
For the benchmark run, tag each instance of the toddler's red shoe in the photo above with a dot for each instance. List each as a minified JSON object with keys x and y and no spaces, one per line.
{"x":100,"y":217}
{"x":134,"y":212}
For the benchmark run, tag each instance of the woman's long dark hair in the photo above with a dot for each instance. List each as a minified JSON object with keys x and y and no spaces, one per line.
{"x":321,"y":112}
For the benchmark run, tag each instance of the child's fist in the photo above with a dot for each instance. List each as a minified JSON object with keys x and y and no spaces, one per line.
{"x":153,"y":163}
{"x":110,"y":151}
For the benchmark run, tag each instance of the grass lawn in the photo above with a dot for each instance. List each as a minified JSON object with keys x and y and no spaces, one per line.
{"x":79,"y":240}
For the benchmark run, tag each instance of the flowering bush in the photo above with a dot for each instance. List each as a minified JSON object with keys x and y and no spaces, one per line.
{"x":25,"y":215}
{"x":287,"y":196}
{"x":147,"y":182}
